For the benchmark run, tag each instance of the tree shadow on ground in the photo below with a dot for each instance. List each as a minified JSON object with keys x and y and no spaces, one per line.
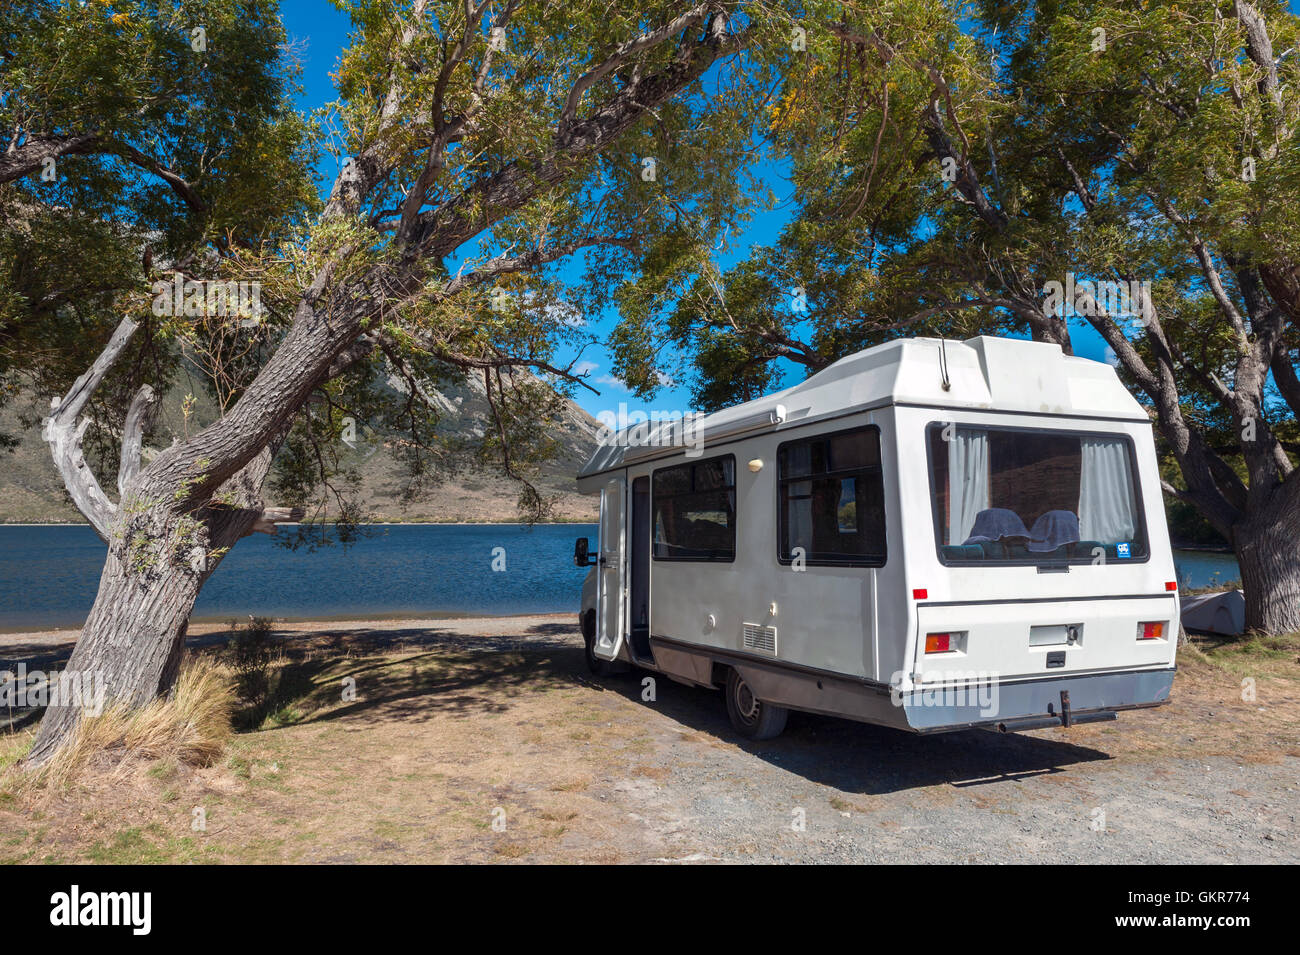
{"x":460,"y":675}
{"x":484,"y":672}
{"x":448,"y":674}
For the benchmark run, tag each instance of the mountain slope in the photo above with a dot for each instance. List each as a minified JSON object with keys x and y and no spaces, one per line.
{"x":31,"y":492}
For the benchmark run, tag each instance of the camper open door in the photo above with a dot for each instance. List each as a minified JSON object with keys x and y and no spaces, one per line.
{"x":610,"y":571}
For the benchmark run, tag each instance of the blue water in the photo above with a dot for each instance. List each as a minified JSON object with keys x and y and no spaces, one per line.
{"x":1198,"y":568}
{"x":49,"y":575}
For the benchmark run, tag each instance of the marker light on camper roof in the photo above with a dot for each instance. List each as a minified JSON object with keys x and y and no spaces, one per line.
{"x":1151,"y":631}
{"x":1171,"y":585}
{"x":920,"y":593}
{"x":938,"y":642}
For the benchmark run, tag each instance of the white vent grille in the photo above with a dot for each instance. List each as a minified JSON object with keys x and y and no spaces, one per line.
{"x":757,"y":637}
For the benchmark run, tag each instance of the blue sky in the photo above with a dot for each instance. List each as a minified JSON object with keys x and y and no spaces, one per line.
{"x":319,"y":33}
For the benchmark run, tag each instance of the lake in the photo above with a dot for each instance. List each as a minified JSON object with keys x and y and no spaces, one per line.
{"x":49,"y":574}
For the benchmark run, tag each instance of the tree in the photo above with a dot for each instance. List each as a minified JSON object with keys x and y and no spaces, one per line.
{"x":130,"y":152}
{"x":483,"y":144}
{"x":949,"y":172}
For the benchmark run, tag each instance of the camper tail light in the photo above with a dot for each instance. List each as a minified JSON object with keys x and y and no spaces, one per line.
{"x":940,"y":642}
{"x":1151,"y":631}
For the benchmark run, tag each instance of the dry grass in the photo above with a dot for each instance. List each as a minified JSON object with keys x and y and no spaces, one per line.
{"x":192,"y":727}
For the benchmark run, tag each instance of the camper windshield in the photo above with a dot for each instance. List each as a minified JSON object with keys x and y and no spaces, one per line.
{"x":1008,"y":495}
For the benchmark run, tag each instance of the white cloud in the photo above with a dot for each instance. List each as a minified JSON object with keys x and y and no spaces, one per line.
{"x":566,"y":314}
{"x":585,"y":367}
{"x":612,"y":382}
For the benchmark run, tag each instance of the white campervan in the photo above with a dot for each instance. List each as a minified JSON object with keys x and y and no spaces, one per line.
{"x":929,"y":535}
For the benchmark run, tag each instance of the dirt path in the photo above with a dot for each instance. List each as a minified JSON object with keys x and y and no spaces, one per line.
{"x":485,"y":740}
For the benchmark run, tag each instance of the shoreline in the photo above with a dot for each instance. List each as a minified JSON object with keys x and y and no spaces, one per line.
{"x":206,"y":626}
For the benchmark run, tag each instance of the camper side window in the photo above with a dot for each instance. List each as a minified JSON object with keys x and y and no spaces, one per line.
{"x":694,"y":510}
{"x":832,"y":499}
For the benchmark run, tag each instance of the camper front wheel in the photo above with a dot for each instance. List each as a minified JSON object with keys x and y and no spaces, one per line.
{"x":595,"y":664}
{"x":750,"y":716}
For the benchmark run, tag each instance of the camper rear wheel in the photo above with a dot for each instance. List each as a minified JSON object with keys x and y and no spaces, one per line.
{"x":750,"y":716}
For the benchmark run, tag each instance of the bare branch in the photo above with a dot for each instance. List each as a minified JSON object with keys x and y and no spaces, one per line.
{"x":139,"y":418}
{"x":1259,"y":48}
{"x":1176,"y":493}
{"x":265,"y":522}
{"x":64,"y":434}
{"x":622,"y":54}
{"x":178,"y":184}
{"x":1207,"y":263}
{"x":1284,"y":374}
{"x":1081,"y":189}
{"x":503,"y":264}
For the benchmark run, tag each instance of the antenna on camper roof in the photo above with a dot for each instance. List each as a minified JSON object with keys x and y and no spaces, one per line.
{"x":943,"y":363}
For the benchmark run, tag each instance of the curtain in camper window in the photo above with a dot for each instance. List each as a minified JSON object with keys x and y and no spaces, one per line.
{"x":1029,"y":495}
{"x":968,"y":471}
{"x":1106,"y":506}
{"x":799,"y":498}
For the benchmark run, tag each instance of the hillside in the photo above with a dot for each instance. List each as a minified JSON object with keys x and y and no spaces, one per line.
{"x":31,"y":492}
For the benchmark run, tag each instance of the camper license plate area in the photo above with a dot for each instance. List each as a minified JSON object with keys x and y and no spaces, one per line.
{"x":1056,"y":635}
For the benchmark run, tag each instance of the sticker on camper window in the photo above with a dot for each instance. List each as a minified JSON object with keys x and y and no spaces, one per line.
{"x":1121,"y":550}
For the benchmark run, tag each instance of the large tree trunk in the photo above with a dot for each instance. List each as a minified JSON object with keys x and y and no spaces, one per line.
{"x":131,"y":642}
{"x":159,"y":558}
{"x":1267,"y":545}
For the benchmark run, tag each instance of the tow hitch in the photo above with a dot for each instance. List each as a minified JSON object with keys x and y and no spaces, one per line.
{"x":1065,"y":718}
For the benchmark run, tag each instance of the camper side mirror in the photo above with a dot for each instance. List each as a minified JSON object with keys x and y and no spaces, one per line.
{"x":581,"y":550}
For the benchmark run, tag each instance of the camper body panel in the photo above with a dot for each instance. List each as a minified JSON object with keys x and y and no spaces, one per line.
{"x":826,"y":617}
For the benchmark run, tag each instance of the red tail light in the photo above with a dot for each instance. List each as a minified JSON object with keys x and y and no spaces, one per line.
{"x":938,"y":642}
{"x":1151,"y":631}
{"x":920,"y":593}
{"x":1171,"y":585}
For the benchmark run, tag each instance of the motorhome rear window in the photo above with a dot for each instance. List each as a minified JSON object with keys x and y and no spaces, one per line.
{"x":1028,"y":496}
{"x":832,"y":499}
{"x":694,"y":508}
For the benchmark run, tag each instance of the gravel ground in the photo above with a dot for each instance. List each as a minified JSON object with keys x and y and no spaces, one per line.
{"x":1203,"y":780}
{"x":871,"y":794}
